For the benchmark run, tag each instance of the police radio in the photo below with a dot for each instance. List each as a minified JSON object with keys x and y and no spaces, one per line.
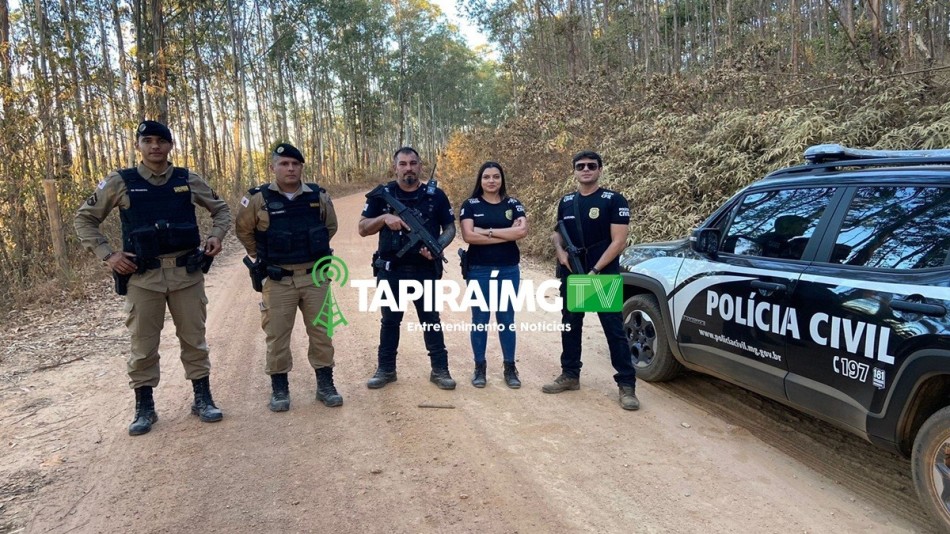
{"x":433,"y":184}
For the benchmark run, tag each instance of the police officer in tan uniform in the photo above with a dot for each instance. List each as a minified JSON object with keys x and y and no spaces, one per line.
{"x":287,"y":225}
{"x":159,"y":260}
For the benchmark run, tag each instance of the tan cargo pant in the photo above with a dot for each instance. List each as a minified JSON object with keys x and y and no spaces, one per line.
{"x":146,"y":316}
{"x":281,"y":299}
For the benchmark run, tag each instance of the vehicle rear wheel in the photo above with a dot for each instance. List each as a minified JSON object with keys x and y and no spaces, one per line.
{"x":648,"y":340}
{"x":930,"y":463}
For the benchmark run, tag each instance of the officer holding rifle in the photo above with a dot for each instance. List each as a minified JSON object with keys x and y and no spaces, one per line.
{"x":161,"y":263}
{"x":591,"y":232}
{"x":409,"y":250}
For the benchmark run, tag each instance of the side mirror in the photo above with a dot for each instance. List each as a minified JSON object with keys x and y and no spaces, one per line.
{"x":706,"y":241}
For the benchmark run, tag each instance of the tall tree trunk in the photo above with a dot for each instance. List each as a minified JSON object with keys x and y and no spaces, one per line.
{"x":125,"y":74}
{"x":200,"y":73}
{"x":142,"y":67}
{"x":79,"y":110}
{"x":158,"y":79}
{"x":239,"y":108}
{"x":53,"y":166}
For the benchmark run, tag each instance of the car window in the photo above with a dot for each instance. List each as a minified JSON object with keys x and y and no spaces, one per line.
{"x":895,"y":228}
{"x":776,"y":224}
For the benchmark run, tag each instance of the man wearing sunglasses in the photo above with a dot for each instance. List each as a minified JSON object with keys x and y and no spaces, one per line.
{"x":596,"y":220}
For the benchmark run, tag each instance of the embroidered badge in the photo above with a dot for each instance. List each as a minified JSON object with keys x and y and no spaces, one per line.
{"x":181,"y":189}
{"x":508,"y":214}
{"x":594,"y":213}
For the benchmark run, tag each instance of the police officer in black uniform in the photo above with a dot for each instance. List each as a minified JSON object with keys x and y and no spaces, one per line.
{"x":417,"y":265}
{"x":596,"y":220}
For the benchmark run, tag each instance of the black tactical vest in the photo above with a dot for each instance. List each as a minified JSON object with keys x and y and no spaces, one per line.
{"x":296,"y":234}
{"x":159,"y":219}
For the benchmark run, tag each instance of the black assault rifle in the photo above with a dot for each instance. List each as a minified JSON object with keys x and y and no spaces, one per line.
{"x":573,"y":253}
{"x":412,"y":218}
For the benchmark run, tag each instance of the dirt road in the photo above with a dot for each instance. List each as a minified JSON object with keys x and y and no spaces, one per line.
{"x":700,"y":456}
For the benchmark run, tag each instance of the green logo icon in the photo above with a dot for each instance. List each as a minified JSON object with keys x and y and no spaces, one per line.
{"x":327,"y":270}
{"x":594,"y":293}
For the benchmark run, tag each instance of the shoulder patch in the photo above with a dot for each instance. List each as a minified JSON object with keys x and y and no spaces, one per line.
{"x":93,"y":199}
{"x":102,"y":185}
{"x":245,"y":201}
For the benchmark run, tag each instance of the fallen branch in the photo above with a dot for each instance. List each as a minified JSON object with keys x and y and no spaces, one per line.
{"x":57,"y":364}
{"x":442,"y":406}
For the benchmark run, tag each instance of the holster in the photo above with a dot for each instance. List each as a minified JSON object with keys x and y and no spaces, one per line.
{"x":122,"y":280}
{"x":463,"y":263}
{"x":198,"y":260}
{"x":256,"y":271}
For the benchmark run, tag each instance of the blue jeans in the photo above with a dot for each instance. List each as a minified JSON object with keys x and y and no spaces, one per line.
{"x":571,"y":341}
{"x":481,"y":274}
{"x":390,"y":328}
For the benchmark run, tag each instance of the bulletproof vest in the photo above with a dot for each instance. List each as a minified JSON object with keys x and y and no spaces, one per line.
{"x":297,"y":233}
{"x":159,"y":219}
{"x":390,"y":242}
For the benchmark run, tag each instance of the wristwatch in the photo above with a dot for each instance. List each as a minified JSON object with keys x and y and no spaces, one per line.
{"x":109,"y":255}
{"x":595,"y":270}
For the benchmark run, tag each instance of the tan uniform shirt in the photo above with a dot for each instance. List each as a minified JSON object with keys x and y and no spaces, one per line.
{"x":111,"y":193}
{"x":252,"y":216}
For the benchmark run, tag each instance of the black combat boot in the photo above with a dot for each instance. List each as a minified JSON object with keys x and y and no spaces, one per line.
{"x":381,"y":378}
{"x":145,"y":415}
{"x":280,"y":396}
{"x":442,"y":378}
{"x":204,"y":406}
{"x":511,"y":375}
{"x":478,"y":379}
{"x":326,"y":391}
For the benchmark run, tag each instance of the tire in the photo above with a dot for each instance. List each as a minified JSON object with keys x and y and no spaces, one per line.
{"x":648,"y":340}
{"x":930,"y":463}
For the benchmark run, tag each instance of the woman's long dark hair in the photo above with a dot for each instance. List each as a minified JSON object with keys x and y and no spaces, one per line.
{"x":478,"y":191}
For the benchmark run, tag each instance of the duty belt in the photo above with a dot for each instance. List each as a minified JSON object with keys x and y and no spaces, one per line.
{"x":391,"y":266}
{"x":166,"y":263}
{"x":288,"y":272}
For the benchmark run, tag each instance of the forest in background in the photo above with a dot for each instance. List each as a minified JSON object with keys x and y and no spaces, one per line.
{"x":687,"y":100}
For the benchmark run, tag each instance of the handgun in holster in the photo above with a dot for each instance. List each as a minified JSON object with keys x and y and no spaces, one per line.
{"x":463,"y":263}
{"x":198,"y":260}
{"x":255,"y":268}
{"x":122,"y":280}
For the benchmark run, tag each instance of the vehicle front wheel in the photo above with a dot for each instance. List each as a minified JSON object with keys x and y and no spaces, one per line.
{"x":648,"y":340}
{"x":931,"y":466}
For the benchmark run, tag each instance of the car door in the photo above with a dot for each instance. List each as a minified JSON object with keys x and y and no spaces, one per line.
{"x":878,"y":294}
{"x":733,"y":311}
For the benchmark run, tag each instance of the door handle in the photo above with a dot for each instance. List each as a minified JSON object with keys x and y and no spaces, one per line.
{"x":769,"y":286}
{"x":933,"y":310}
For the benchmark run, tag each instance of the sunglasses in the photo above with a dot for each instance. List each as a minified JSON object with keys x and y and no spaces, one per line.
{"x":593,"y":165}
